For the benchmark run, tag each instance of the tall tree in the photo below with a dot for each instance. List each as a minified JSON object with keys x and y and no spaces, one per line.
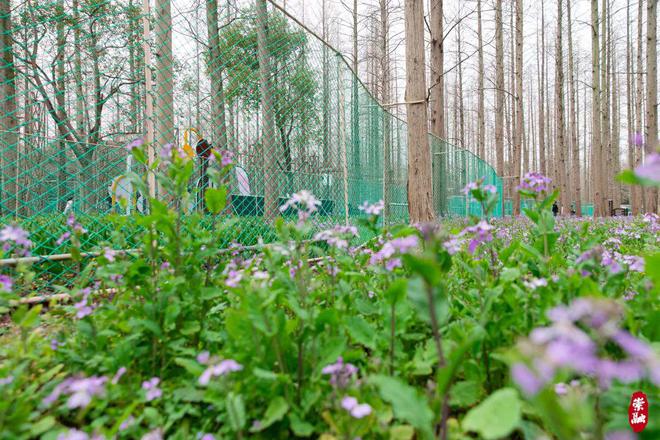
{"x":8,"y":114}
{"x":575,"y":146}
{"x":499,"y":86}
{"x":560,"y":128}
{"x":217,"y":123}
{"x":420,"y":206}
{"x":269,"y":145}
{"x":385,"y":98}
{"x":437,"y":96}
{"x":164,"y":99}
{"x":481,"y":128}
{"x":640,"y":195}
{"x":542,"y":155}
{"x":520,"y":124}
{"x":651,"y":93}
{"x":606,"y":140}
{"x":596,"y":144}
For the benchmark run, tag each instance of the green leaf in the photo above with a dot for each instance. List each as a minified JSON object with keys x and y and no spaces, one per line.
{"x":361,"y":331}
{"x":402,"y":432}
{"x":495,"y":417}
{"x":424,"y":267}
{"x":510,"y":274}
{"x":235,"y":411}
{"x":216,"y":199}
{"x":191,"y":366}
{"x":465,"y":393}
{"x":407,"y":403}
{"x":418,"y":297}
{"x":277,"y":409}
{"x":42,"y":426}
{"x":397,"y":291}
{"x":299,"y":427}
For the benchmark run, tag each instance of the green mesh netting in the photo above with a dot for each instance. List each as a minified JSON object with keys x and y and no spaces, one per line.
{"x":75,"y":92}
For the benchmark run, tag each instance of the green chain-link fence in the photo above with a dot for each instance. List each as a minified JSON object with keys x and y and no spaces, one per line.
{"x":82,"y":78}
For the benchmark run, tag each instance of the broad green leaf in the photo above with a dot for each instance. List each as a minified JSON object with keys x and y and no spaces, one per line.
{"x":299,"y":427}
{"x":510,"y":274}
{"x":277,"y":408}
{"x":408,"y":405}
{"x":465,"y":393}
{"x":402,"y":432}
{"x":361,"y":331}
{"x":495,"y":417}
{"x":216,"y":199}
{"x":235,"y":411}
{"x":42,"y":426}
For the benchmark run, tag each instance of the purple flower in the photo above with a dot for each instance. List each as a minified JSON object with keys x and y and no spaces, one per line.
{"x":64,"y":237}
{"x":635,"y":263}
{"x":401,"y":245}
{"x":337,"y":236}
{"x":109,"y":254}
{"x":6,"y":380}
{"x":165,"y":265}
{"x":374,"y":209}
{"x":156,"y":434}
{"x":233,"y":278}
{"x":83,"y":307}
{"x":561,"y":389}
{"x":453,"y":245}
{"x":356,"y":409}
{"x":340,"y":372}
{"x":392,"y":264}
{"x":528,"y":382}
{"x":469,"y":187}
{"x":481,"y":233}
{"x":80,"y":391}
{"x":151,"y":386}
{"x":130,"y":421}
{"x":207,"y":436}
{"x":166,"y":151}
{"x":535,"y":183}
{"x":219,"y":369}
{"x":55,"y":344}
{"x":16,"y":235}
{"x":490,"y":188}
{"x":134,"y":144}
{"x":637,"y":139}
{"x":535,"y":283}
{"x":302,"y":201}
{"x":203,"y":357}
{"x":650,"y":169}
{"x":6,"y":283}
{"x":73,"y":434}
{"x":120,"y":372}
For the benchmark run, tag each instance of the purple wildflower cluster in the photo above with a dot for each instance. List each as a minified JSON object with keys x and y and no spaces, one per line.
{"x":478,"y":185}
{"x":215,"y":367}
{"x":12,"y":236}
{"x":340,"y":373}
{"x":375,"y":209}
{"x":84,"y":307}
{"x":355,"y":409}
{"x":479,"y":233}
{"x":304,"y":202}
{"x":224,"y":157}
{"x":152,"y":390}
{"x":80,"y":390}
{"x":6,"y":283}
{"x":135,"y":143}
{"x":75,"y":434}
{"x":611,"y":259}
{"x":650,"y":169}
{"x":338,"y":236}
{"x":535,"y":183}
{"x":567,"y":344}
{"x":387,"y":252}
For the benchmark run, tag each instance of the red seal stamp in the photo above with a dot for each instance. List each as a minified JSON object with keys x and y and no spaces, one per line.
{"x":638,"y":411}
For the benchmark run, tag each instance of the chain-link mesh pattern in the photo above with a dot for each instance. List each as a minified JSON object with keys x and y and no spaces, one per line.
{"x":75,"y":92}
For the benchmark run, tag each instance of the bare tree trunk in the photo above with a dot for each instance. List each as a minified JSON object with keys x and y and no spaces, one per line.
{"x":437,"y":95}
{"x":61,"y":86}
{"x":355,"y":115}
{"x":269,"y":143}
{"x":605,"y":117}
{"x":651,"y":94}
{"x":164,"y":81}
{"x":629,"y":100}
{"x":8,"y":115}
{"x":218,"y":123}
{"x":575,"y":147}
{"x":385,"y":97}
{"x":499,"y":85}
{"x":616,"y":120}
{"x":542,"y":154}
{"x":560,"y":130}
{"x":638,"y":202}
{"x":420,"y":206}
{"x":481,"y":143}
{"x":520,"y":124}
{"x":597,"y":146}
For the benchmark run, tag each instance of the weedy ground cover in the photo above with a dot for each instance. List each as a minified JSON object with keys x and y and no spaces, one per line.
{"x":535,"y":327}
